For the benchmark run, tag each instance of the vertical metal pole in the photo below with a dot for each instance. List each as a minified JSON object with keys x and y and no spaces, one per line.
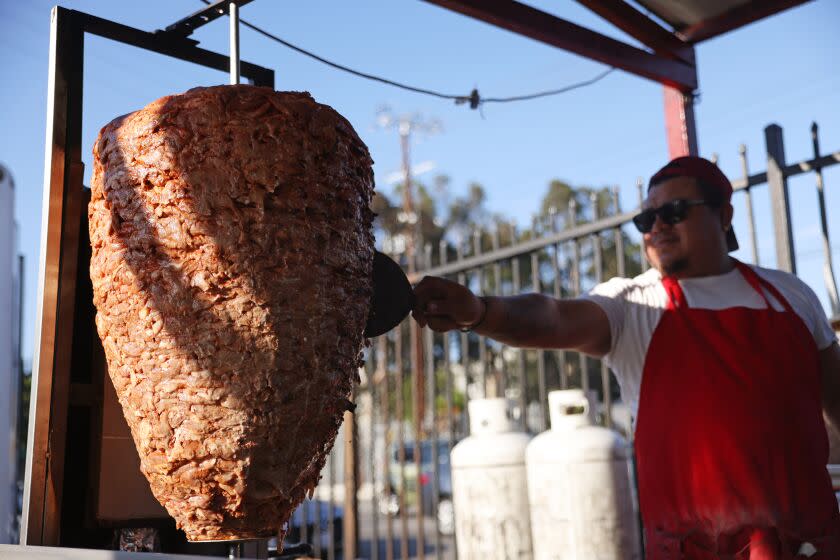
{"x":621,"y":266}
{"x":447,"y":366}
{"x":576,"y":287}
{"x":430,"y":406}
{"x":433,"y":439}
{"x":464,"y":345}
{"x":450,"y":416}
{"x":779,"y":199}
{"x":417,"y":369}
{"x":521,"y":366}
{"x":598,"y":255}
{"x":621,"y":261}
{"x":418,"y":394}
{"x":500,"y":376}
{"x":373,"y":379}
{"x":400,"y":411}
{"x":331,"y":507}
{"x":464,"y":358}
{"x":234,"y":43}
{"x":430,"y":419}
{"x":60,"y":223}
{"x":828,"y":265}
{"x":742,"y":150}
{"x":680,"y":129}
{"x":350,"y":521}
{"x":482,"y":341}
{"x":387,"y":489}
{"x":536,"y":286}
{"x":643,"y":262}
{"x":559,"y":354}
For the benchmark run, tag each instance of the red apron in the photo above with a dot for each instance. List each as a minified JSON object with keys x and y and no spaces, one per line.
{"x":730,"y":442}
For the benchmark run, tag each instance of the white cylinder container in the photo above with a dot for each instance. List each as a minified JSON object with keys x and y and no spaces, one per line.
{"x":580,"y":489}
{"x":489,"y":488}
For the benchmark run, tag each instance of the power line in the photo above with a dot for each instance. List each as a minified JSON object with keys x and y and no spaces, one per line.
{"x":527,"y":97}
{"x":474,"y":99}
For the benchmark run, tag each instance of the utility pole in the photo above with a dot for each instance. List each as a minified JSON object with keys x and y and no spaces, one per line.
{"x":405,"y":125}
{"x":415,"y":239}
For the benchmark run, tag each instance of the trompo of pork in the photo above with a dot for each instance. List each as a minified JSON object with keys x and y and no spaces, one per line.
{"x":231,"y":269}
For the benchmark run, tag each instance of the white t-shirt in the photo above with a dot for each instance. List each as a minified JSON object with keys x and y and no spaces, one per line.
{"x":635,"y":306}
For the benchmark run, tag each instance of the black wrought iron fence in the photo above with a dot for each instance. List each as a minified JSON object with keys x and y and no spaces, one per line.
{"x":412,"y":403}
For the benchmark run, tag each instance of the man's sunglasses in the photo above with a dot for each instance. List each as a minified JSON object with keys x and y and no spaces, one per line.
{"x":671,"y":213}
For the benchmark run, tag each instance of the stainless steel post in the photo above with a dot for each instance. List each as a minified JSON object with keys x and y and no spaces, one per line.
{"x":234,"y":43}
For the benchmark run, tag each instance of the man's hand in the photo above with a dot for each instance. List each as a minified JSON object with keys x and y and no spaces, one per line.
{"x":444,"y":305}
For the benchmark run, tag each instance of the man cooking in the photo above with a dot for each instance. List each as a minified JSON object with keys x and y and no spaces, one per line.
{"x":726,"y":367}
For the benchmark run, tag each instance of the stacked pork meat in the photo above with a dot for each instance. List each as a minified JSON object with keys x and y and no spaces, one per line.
{"x":231,"y":269}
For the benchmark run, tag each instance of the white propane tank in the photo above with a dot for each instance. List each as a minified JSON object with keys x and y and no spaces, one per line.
{"x":582,"y":505}
{"x":489,"y":488}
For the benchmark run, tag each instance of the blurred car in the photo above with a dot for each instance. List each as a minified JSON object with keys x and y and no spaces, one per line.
{"x":316,"y":533}
{"x":445,"y":512}
{"x":424,"y":481}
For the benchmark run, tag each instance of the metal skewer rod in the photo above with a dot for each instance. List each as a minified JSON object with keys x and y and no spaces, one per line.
{"x":234,"y":43}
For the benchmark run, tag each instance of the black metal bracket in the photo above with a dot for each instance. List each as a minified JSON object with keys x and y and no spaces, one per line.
{"x":185,"y":27}
{"x":170,"y":44}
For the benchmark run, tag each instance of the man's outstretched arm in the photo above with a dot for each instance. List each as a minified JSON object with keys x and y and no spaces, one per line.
{"x":525,"y":321}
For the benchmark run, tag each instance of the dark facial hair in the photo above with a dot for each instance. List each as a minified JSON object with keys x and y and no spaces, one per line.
{"x":677,"y":266}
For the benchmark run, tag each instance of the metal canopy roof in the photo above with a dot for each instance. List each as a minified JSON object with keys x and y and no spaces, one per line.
{"x":683,"y":13}
{"x":698,"y":20}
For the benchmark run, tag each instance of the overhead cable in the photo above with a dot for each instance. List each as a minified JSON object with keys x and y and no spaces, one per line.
{"x":474,"y":99}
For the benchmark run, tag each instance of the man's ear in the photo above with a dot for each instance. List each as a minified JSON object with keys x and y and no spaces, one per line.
{"x":726,"y":212}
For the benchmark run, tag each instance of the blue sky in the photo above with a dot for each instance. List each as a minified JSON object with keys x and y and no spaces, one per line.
{"x":780,"y":70}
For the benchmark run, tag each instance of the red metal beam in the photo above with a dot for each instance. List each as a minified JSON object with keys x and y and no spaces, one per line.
{"x":735,"y":18}
{"x":680,"y":128}
{"x":642,"y":28}
{"x":560,"y":33}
